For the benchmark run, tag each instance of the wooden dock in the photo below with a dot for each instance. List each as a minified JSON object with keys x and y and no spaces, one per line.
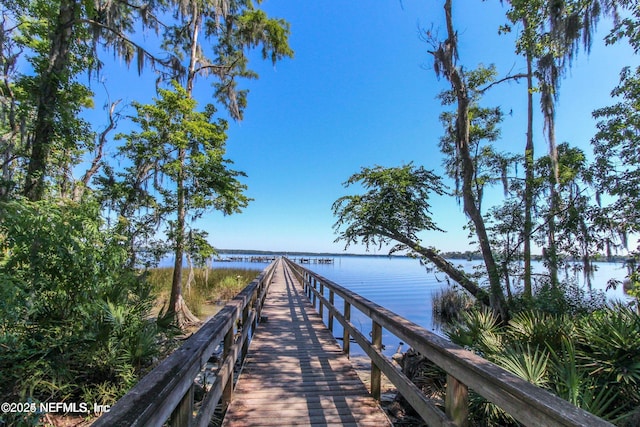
{"x":296,"y":373}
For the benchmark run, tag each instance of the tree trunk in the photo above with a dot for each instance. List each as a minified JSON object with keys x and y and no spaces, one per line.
{"x":447,"y":57}
{"x":193,"y":52}
{"x":446,"y":267}
{"x":529,"y":177}
{"x":551,"y":252}
{"x":178,"y":311}
{"x":48,"y":99}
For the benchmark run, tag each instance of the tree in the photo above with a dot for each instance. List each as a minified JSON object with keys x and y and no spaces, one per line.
{"x":64,"y":38}
{"x":396,"y":208}
{"x":527,"y":13}
{"x":11,"y":144}
{"x":231,"y":27}
{"x":551,"y":35}
{"x":182,"y":151}
{"x":74,"y":320}
{"x":617,"y":153}
{"x":445,"y":56}
{"x":616,"y":143}
{"x":564,"y":27}
{"x":578,"y":231}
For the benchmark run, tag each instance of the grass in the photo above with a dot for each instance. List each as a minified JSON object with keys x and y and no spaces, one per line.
{"x":449,"y":303}
{"x":208,"y":289}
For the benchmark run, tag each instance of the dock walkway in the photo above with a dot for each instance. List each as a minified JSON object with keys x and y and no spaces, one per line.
{"x":296,"y":373}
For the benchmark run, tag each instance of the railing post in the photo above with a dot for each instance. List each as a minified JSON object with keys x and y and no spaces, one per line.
{"x":304,"y":282}
{"x":227,"y":393}
{"x":457,"y":401}
{"x":331,"y":301}
{"x":346,"y":339}
{"x":245,"y":319}
{"x":315,"y":286}
{"x":254,"y":306}
{"x":320,"y":304}
{"x":183,"y":414}
{"x":376,"y":341}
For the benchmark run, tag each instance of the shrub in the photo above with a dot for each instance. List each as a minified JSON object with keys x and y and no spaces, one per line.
{"x":73,"y":316}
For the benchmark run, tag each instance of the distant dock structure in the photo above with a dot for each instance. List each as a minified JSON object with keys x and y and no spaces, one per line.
{"x":314,"y":260}
{"x":265,"y":259}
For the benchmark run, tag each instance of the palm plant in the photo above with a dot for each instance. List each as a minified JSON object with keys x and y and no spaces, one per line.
{"x":539,"y":328}
{"x":526,"y":361}
{"x":478,"y":330}
{"x":608,"y":347}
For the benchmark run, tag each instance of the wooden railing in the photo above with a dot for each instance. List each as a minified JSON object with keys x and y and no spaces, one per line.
{"x":167,"y":391}
{"x":530,"y":405}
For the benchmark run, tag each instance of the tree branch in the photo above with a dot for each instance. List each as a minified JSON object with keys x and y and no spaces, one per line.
{"x":502,"y":80}
{"x":442,"y":264}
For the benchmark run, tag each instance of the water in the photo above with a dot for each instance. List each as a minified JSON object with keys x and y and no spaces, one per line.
{"x":405,"y":287}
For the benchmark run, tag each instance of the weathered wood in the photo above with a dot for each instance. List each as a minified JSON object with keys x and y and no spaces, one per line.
{"x":346,"y":338}
{"x":321,"y":301}
{"x":527,"y":403}
{"x":331,"y":304}
{"x":421,"y":403}
{"x":227,"y":393}
{"x":295,"y":372}
{"x":213,"y":396}
{"x":183,"y":414}
{"x":376,"y":343}
{"x":245,"y":325}
{"x":313,"y":289}
{"x":457,"y":402}
{"x":154,"y":398}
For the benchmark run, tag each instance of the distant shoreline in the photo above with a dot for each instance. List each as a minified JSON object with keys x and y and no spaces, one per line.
{"x":470,"y":256}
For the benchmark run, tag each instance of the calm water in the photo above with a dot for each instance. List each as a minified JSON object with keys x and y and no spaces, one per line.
{"x":405,"y":287}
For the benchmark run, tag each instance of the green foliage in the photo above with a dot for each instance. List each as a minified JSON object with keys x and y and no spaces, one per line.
{"x":527,"y":362}
{"x":617,"y":154}
{"x":538,"y":328}
{"x":591,"y":359}
{"x":76,"y":317}
{"x":609,"y":347}
{"x":168,"y":128}
{"x":566,"y":297}
{"x":478,"y":329}
{"x":178,"y":153}
{"x":395,"y":205}
{"x":449,"y":304}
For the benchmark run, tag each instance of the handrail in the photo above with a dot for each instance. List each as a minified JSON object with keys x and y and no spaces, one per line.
{"x":530,"y":405}
{"x":167,"y":391}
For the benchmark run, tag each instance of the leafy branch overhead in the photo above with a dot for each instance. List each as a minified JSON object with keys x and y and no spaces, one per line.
{"x":395,"y":208}
{"x":396,"y":203}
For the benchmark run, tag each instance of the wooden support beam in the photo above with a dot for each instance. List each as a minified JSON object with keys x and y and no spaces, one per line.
{"x":182,"y":416}
{"x":332,"y":307}
{"x":376,"y":341}
{"x":457,"y":401}
{"x":227,"y":394}
{"x":346,"y":338}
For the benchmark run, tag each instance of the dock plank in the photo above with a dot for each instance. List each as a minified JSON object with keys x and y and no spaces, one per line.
{"x":296,"y":373}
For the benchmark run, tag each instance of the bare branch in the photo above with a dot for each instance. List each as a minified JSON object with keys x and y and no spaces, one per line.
{"x":502,"y":80}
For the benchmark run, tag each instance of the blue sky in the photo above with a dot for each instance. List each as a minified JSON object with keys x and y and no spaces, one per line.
{"x":361,"y":91}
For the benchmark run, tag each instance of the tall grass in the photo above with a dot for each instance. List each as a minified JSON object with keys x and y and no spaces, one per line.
{"x":206,"y":288}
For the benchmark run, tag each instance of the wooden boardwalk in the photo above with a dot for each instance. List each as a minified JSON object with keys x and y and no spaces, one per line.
{"x":296,"y":373}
